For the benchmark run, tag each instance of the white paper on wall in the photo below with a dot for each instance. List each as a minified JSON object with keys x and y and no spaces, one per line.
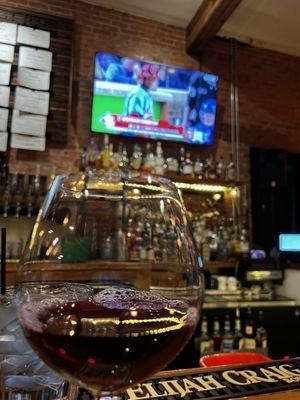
{"x":33,"y":79}
{"x":4,"y":96}
{"x":31,"y":101}
{"x":8,"y":33}
{"x":7,"y":52}
{"x":28,"y":124}
{"x":31,"y":57}
{"x":27,"y":142}
{"x":33,"y":37}
{"x":3,"y":119}
{"x":5,"y":70}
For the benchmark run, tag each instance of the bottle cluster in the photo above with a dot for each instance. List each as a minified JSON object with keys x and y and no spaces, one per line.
{"x":139,"y":239}
{"x":154,"y":161}
{"x":252,"y":336}
{"x":216,"y":236}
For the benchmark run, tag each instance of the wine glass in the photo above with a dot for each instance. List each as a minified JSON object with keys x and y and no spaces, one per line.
{"x":110,"y":284}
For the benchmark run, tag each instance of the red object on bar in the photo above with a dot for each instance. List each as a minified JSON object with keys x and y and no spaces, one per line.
{"x":216,"y":360}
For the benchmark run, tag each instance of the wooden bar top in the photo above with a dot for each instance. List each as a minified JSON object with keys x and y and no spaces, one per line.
{"x":276,"y":380}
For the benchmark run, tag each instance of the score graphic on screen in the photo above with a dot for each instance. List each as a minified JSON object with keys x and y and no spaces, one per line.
{"x":143,"y":99}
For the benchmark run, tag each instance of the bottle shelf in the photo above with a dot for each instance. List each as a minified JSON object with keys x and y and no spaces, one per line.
{"x":196,"y":184}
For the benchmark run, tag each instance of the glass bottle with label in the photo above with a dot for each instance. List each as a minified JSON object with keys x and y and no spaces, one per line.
{"x":172,"y":166}
{"x":124,"y":160}
{"x":83,"y":162}
{"x":249,"y":340}
{"x":220,"y":169}
{"x":93,"y":155}
{"x":227,"y":342}
{"x":216,"y":338}
{"x":181,"y":160}
{"x":159,"y":167}
{"x":188,"y":167}
{"x":136,"y":158}
{"x":148,"y":163}
{"x":211,"y":168}
{"x":238,"y":336}
{"x":198,"y":168}
{"x":261,"y":333}
{"x":106,"y":153}
{"x":244,"y":243}
{"x":204,"y":340}
{"x":230,"y":170}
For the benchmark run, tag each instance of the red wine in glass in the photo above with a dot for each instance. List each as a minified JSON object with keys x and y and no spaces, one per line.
{"x":112,"y":341}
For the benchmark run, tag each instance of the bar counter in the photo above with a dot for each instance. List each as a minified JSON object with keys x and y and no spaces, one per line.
{"x":276,"y":380}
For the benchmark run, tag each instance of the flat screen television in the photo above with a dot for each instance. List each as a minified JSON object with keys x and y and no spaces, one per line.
{"x":155,"y":101}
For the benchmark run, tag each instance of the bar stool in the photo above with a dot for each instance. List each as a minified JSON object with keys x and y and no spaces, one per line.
{"x":215,"y":360}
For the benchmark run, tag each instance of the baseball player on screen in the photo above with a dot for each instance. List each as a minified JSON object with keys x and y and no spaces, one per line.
{"x":138,"y":102}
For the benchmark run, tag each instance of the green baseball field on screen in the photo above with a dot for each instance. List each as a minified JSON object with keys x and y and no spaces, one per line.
{"x":103,"y":104}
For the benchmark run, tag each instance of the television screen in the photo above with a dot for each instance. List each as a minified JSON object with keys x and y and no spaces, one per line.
{"x":150,"y":100}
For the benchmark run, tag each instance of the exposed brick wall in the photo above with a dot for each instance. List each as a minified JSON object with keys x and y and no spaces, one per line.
{"x":269,"y":94}
{"x":269,"y":82}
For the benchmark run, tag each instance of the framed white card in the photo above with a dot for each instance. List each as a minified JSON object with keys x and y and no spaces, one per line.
{"x":31,"y":101}
{"x":5,"y":70}
{"x":8,"y":33}
{"x":27,"y":142}
{"x":33,"y":37}
{"x":3,"y":119}
{"x":4,"y":96}
{"x":33,"y":79}
{"x":28,"y":124}
{"x":7,"y":52}
{"x":31,"y":57}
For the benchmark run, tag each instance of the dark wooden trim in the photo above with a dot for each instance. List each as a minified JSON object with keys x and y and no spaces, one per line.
{"x":207,"y":21}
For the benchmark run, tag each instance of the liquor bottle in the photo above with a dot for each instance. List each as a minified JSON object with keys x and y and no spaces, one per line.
{"x":205,"y":250}
{"x":120,"y":244}
{"x":188,"y":168}
{"x":261,"y":333}
{"x":222,"y":253}
{"x":159,"y":166}
{"x":206,"y":167}
{"x":238,"y":336}
{"x":211,"y":168}
{"x":220,"y":169}
{"x":136,"y":158}
{"x":172,"y":165}
{"x":249,"y":340}
{"x":106,"y":153}
{"x":149,"y":160}
{"x":227,"y":342}
{"x":244,"y":243}
{"x":93,"y":155}
{"x":143,"y":249}
{"x":198,"y":168}
{"x":107,"y":247}
{"x":124,"y":160}
{"x":157,"y":249}
{"x":53,"y":174}
{"x":216,"y":338}
{"x":181,"y":160}
{"x":204,"y":340}
{"x":83,"y":160}
{"x":133,"y":249}
{"x":37,"y":179}
{"x":230,"y":170}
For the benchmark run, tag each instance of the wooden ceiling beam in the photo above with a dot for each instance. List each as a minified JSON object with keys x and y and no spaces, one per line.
{"x":208,"y":20}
